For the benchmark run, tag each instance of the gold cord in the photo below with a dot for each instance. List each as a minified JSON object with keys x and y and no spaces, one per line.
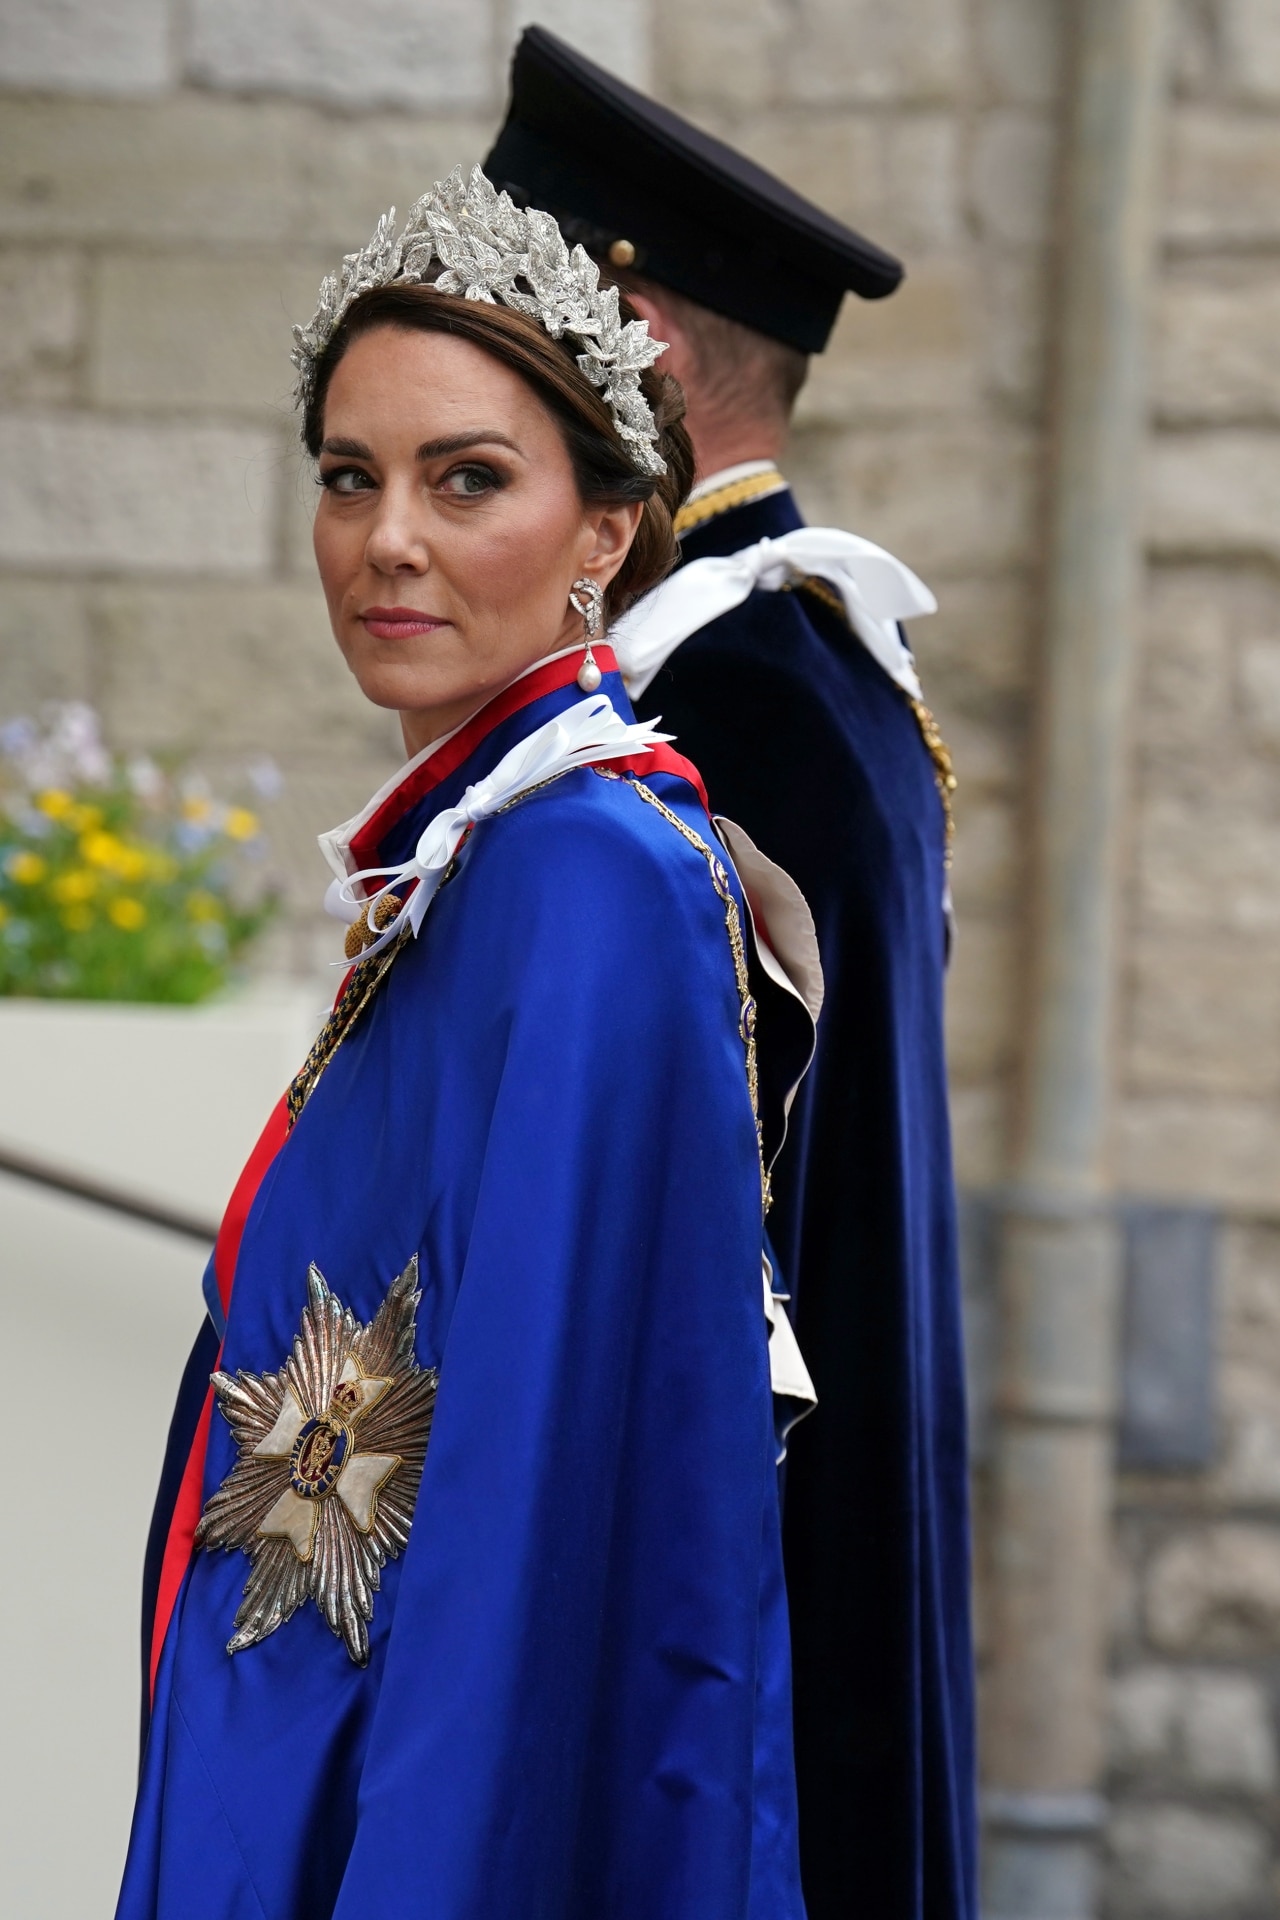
{"x":734,"y":493}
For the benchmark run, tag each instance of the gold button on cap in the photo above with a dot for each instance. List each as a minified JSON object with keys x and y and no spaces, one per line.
{"x":622,"y":253}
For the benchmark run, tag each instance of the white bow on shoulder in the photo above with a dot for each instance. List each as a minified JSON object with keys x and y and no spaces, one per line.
{"x":877,"y":590}
{"x":592,"y":730}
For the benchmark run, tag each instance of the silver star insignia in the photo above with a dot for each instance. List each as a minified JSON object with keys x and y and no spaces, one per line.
{"x":331,"y":1453}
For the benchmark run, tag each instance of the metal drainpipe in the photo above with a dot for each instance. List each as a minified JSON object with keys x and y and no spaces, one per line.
{"x":1060,"y":1248}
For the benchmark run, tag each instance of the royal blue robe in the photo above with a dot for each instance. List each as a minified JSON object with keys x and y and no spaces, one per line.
{"x":577,"y":1697}
{"x":806,"y":742}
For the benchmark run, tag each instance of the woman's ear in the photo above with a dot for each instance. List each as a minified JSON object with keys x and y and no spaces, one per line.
{"x":612,"y":530}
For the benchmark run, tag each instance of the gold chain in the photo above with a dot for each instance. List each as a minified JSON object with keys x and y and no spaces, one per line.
{"x":734,"y":493}
{"x":944,"y":774}
{"x":737,"y":947}
{"x":361,"y":984}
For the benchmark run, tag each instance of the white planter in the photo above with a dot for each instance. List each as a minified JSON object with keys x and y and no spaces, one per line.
{"x":98,"y":1315}
{"x":166,"y":1101}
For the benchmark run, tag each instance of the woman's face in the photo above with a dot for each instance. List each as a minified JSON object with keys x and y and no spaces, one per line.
{"x":450,"y":528}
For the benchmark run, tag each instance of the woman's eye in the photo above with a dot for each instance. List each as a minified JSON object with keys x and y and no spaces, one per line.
{"x":345,"y":480}
{"x":468,"y":483}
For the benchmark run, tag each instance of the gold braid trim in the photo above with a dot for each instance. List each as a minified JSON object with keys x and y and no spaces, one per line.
{"x":734,"y":493}
{"x":944,"y":775}
{"x":737,"y":947}
{"x":362,"y":983}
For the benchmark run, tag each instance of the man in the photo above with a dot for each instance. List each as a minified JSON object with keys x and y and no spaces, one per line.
{"x":784,"y":677}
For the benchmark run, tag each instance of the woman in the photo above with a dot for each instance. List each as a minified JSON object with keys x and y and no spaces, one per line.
{"x":467,"y":1597}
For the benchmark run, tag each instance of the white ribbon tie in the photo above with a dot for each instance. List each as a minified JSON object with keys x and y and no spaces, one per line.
{"x":877,"y":590}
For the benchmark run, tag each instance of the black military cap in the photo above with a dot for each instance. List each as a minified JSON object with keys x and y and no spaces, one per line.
{"x":639,"y":186}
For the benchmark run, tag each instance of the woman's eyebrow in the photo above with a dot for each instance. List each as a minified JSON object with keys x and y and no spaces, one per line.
{"x":347,"y":449}
{"x":459,"y":442}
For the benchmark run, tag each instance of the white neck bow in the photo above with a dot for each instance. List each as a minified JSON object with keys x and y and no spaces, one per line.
{"x":877,"y":591}
{"x":592,"y":730}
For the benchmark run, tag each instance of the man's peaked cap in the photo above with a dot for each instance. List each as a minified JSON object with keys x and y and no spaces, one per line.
{"x":638,"y":185}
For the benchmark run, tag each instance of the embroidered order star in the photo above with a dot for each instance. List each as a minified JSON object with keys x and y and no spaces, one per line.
{"x":331,"y":1453}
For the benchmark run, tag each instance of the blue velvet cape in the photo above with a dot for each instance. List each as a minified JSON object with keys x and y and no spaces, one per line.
{"x":804,"y":741}
{"x":577,"y":1700}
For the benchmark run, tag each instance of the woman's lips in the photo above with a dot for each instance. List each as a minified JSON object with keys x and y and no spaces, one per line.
{"x":399,"y":623}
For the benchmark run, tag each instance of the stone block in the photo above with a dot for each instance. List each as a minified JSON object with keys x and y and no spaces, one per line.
{"x":1213,"y":494}
{"x":1223,"y":178}
{"x":916,"y":354}
{"x":1012,"y":184}
{"x":1167,"y":1402}
{"x":945,"y":499}
{"x":1250,"y":37}
{"x":40,"y":326}
{"x":1215,"y":360}
{"x":198,"y":331}
{"x":619,"y":36}
{"x":896,"y":177}
{"x":395,"y":53}
{"x":1207,"y":1149}
{"x":981,"y":997}
{"x":979,"y":1130}
{"x":987,"y":865}
{"x":974,"y":653}
{"x":1176,"y":1862}
{"x":46,"y":645}
{"x":1249,"y":1366}
{"x":82,"y":46}
{"x":1207,"y":858}
{"x":857,"y":50}
{"x":230,"y":670}
{"x":1021,"y":50}
{"x":84,"y":495}
{"x":1258,"y":671}
{"x":1186,"y":698}
{"x":1216,"y":1590}
{"x":1204,"y":1015}
{"x":691,"y":43}
{"x":1014,"y":328}
{"x":253,"y":173}
{"x":351,"y":168}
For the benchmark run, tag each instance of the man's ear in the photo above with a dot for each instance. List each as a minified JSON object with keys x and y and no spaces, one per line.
{"x":664,"y":325}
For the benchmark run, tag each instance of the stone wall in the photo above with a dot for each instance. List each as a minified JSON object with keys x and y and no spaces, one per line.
{"x":174,"y":178}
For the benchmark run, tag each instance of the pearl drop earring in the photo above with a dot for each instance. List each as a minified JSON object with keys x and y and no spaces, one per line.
{"x":586,"y":597}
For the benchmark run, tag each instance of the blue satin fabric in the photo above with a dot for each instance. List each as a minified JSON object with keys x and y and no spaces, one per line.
{"x":804,"y":740}
{"x":577,"y":1702}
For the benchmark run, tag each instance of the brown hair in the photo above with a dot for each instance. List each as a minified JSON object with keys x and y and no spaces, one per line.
{"x":601,"y":465}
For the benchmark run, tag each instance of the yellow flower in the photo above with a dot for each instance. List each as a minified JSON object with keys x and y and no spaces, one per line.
{"x":79,"y":884}
{"x":108,"y":851}
{"x":195,"y":807}
{"x":82,"y":819}
{"x":77,"y":919}
{"x":55,"y":802}
{"x":28,"y":869}
{"x":127,"y":912}
{"x":204,"y":906}
{"x":240,"y":824}
{"x":101,"y":850}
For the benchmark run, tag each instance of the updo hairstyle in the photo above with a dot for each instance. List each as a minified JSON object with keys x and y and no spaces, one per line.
{"x":601,"y":465}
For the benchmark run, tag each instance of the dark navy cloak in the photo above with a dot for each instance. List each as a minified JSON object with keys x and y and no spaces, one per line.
{"x":577,"y":1699}
{"x":804,"y":741}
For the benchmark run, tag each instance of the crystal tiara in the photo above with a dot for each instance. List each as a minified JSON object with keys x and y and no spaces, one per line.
{"x":490,"y":249}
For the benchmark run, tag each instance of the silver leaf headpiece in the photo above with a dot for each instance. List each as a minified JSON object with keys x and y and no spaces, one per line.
{"x":490,"y":249}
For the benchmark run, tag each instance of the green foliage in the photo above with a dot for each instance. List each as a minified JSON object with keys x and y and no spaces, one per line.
{"x":117,"y":881}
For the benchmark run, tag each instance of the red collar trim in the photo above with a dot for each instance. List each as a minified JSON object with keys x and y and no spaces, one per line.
{"x":550,"y":678}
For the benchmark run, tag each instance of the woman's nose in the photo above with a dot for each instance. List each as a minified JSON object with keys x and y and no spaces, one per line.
{"x":398,"y":539}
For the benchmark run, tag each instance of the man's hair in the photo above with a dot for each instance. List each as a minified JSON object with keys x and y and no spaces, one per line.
{"x":739,"y":370}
